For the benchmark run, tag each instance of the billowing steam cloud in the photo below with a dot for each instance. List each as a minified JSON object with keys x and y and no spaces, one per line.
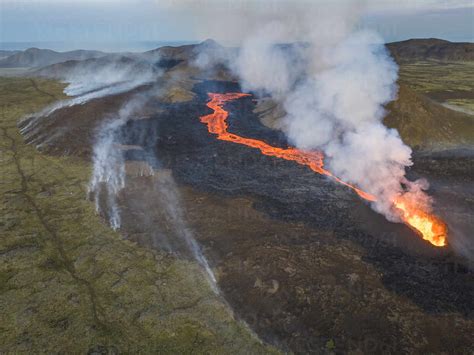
{"x":333,"y":81}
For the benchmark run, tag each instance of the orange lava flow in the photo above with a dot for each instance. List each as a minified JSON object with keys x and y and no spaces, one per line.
{"x":216,"y":124}
{"x":431,"y":228}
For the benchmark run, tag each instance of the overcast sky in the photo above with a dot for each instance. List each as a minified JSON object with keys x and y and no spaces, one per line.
{"x":98,"y":21}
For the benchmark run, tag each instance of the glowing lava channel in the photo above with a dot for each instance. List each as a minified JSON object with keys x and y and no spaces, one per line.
{"x":430,"y":227}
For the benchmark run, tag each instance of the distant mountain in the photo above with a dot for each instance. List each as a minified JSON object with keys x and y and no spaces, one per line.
{"x":182,"y":52}
{"x":431,"y":49}
{"x":208,"y":53}
{"x":164,"y":57}
{"x":4,"y":53}
{"x":35,"y":57}
{"x":90,"y":65}
{"x":404,"y":51}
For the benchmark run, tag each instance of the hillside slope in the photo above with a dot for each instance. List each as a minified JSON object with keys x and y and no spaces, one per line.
{"x":431,"y":49}
{"x":421,"y":122}
{"x":69,"y":284}
{"x":6,"y":53}
{"x":424,"y":123}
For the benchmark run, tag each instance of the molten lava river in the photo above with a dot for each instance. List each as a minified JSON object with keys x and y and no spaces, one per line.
{"x":430,"y":227}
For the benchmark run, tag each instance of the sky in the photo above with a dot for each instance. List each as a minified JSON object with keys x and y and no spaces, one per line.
{"x":93,"y":23}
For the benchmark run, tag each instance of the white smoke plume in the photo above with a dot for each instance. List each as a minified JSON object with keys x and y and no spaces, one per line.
{"x":334,"y":100}
{"x":93,"y":79}
{"x":108,"y":175}
{"x":339,"y":109}
{"x":112,"y":73}
{"x":333,"y":80}
{"x":109,"y":178}
{"x":174,"y":210}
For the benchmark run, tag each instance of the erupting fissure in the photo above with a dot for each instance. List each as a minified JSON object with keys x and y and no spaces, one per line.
{"x":430,"y":227}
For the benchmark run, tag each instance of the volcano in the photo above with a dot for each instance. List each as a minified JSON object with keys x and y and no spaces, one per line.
{"x":298,"y":254}
{"x":251,"y":199}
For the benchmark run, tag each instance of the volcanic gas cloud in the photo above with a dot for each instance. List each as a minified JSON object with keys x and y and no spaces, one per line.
{"x":333,"y":79}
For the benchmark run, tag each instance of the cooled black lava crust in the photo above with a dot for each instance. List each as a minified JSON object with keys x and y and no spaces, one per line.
{"x":431,"y":277}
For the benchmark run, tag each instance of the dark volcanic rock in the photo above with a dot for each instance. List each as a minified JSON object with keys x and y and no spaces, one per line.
{"x":433,"y":279}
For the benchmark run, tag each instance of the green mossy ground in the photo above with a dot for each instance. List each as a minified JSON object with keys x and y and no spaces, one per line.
{"x":425,"y":124}
{"x":450,"y":83}
{"x":435,"y":105}
{"x":70,"y":284}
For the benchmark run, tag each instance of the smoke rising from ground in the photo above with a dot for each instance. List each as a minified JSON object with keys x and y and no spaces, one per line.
{"x":109,"y":74}
{"x":333,"y":81}
{"x":168,"y":190}
{"x":339,"y":109}
{"x":108,"y":175}
{"x":93,"y":79}
{"x":109,"y":179}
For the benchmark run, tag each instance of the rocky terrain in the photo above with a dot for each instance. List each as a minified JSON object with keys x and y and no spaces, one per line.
{"x":302,"y":260}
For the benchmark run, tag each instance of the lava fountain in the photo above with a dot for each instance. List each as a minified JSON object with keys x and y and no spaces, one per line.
{"x":430,"y":227}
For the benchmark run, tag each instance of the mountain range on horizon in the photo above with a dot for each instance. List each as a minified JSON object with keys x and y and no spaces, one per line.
{"x":403,"y":51}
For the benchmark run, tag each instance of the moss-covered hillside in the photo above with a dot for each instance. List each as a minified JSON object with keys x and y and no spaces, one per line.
{"x":68,"y":283}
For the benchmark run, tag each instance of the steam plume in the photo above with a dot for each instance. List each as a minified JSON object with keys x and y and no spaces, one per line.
{"x":107,"y":75}
{"x":333,"y":82}
{"x":109,"y":178}
{"x":108,"y":175}
{"x":92,"y":79}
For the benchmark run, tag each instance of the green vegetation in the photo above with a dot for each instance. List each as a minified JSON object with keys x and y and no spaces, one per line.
{"x":451,"y":83}
{"x":435,"y":105}
{"x":425,"y":124}
{"x":462,"y":105}
{"x":70,"y":284}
